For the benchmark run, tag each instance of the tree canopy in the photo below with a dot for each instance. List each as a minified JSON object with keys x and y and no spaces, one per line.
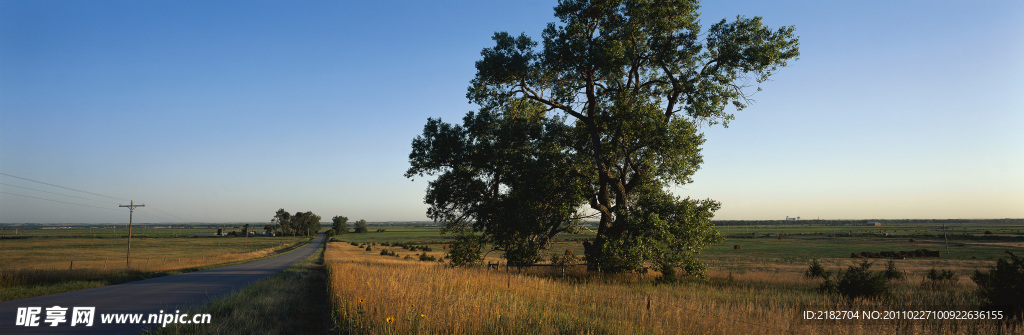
{"x":340,"y":224}
{"x":301,"y":223}
{"x":601,"y":118}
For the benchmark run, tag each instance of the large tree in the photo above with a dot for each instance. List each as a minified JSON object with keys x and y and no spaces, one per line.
{"x":283,"y":220}
{"x":306,"y":223}
{"x":605,"y":114}
{"x":340,"y":224}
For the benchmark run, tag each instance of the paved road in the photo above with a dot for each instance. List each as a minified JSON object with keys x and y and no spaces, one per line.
{"x":168,"y":293}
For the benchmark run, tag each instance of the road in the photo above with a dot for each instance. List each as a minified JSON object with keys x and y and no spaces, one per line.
{"x":169,"y":294}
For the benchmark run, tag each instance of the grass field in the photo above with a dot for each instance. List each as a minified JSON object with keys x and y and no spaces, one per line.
{"x":758,"y":288}
{"x":42,"y":264}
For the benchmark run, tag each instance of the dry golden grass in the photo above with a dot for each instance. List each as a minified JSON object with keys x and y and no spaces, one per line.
{"x":426,"y":297}
{"x":37,"y":266}
{"x":147,"y":254}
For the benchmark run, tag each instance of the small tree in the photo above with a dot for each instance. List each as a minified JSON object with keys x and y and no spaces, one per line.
{"x":816,"y":270}
{"x":361,"y":226}
{"x":860,"y":281}
{"x":1002,"y":287}
{"x":891,"y":272}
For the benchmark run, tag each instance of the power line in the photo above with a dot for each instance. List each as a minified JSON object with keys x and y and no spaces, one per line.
{"x":169,"y":214}
{"x":58,"y":186}
{"x":64,"y":202}
{"x":66,"y":195}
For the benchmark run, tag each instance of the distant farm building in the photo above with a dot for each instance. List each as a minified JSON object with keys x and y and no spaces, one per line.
{"x":792,"y":219}
{"x":873,"y":224}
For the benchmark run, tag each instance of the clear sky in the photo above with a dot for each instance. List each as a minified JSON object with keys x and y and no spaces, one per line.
{"x":225,"y":111}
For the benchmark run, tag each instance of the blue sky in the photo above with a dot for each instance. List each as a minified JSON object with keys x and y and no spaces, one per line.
{"x":225,"y":111}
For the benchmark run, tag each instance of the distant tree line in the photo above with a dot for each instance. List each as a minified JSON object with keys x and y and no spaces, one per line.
{"x":340,"y":225}
{"x":298,"y":224}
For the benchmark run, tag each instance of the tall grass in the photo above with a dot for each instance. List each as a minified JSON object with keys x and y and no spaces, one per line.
{"x":427,"y":297}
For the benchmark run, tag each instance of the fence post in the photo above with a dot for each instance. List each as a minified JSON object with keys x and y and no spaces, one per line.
{"x":72,"y":267}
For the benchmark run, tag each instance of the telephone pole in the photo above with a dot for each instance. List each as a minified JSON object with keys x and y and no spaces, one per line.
{"x":131,"y":211}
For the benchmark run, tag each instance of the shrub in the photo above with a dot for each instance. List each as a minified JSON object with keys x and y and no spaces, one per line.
{"x":425,"y":257}
{"x":860,"y":281}
{"x":941,"y":275}
{"x":939,"y":279}
{"x":1002,"y":287}
{"x":891,"y":272}
{"x":465,"y":250}
{"x":816,"y":270}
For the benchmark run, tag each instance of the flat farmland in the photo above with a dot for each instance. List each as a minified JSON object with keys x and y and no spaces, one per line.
{"x":147,"y":254}
{"x":765,"y":259}
{"x":42,"y":261}
{"x":759,"y":287}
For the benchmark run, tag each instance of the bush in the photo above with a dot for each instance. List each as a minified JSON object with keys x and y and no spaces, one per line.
{"x":939,"y":276}
{"x":860,"y":281}
{"x":938,"y":279}
{"x":1002,"y":287}
{"x":425,"y":257}
{"x":465,"y":250}
{"x":891,"y":272}
{"x":816,"y":270}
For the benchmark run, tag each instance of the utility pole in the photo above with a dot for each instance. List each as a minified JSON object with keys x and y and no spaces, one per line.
{"x":131,"y":211}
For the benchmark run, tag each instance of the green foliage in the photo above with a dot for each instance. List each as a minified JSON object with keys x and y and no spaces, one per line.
{"x":305,"y":224}
{"x":816,"y":270}
{"x":606,"y":114}
{"x":340,"y":224}
{"x":891,"y":272}
{"x":860,"y":281}
{"x":667,"y":231}
{"x":940,"y":275}
{"x":1002,"y":286}
{"x":283,"y":220}
{"x":361,"y":226}
{"x":425,"y":257}
{"x":465,"y":250}
{"x":939,"y":279}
